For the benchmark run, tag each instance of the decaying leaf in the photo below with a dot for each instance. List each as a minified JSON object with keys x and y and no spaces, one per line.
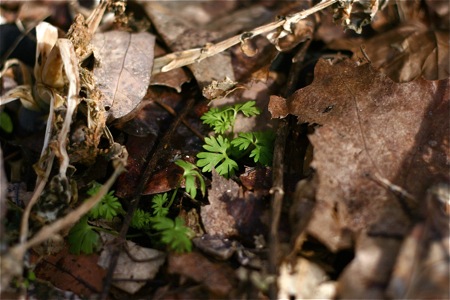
{"x":124,"y":67}
{"x":219,"y":89}
{"x":135,"y":262}
{"x":374,"y":131}
{"x":372,"y":127}
{"x":64,"y":271}
{"x":231,"y":213}
{"x":410,"y":51}
{"x":300,"y":31}
{"x":217,"y":278}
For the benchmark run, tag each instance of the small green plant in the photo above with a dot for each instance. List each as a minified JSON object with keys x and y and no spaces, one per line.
{"x":191,"y":176}
{"x":107,"y":208}
{"x":222,"y":119}
{"x":218,"y":156}
{"x":84,"y":237}
{"x":141,"y":220}
{"x":260,"y":145}
{"x":223,"y":150}
{"x":173,"y":233}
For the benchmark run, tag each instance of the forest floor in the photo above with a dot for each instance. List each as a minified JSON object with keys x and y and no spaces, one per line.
{"x":224,"y":149}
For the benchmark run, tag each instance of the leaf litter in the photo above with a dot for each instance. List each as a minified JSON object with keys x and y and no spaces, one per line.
{"x":369,"y":212}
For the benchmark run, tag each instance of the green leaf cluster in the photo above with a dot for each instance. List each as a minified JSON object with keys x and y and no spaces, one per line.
{"x":223,"y":119}
{"x":217,"y":156}
{"x":223,"y":151}
{"x":84,"y":238}
{"x":141,"y":220}
{"x":260,"y":145}
{"x":108,"y":207}
{"x":173,"y":233}
{"x":158,"y":202}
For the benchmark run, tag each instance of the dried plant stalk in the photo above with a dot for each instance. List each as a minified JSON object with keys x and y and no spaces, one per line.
{"x":183,"y":58}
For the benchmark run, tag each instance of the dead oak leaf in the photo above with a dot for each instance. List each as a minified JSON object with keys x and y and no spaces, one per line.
{"x":372,"y":127}
{"x":125,"y":63}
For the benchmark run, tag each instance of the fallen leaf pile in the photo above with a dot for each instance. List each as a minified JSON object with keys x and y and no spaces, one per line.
{"x":355,"y":204}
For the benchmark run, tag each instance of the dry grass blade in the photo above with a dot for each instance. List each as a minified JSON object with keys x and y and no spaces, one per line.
{"x":71,"y":69}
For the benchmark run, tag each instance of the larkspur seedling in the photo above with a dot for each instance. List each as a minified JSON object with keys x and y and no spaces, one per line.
{"x":174,"y":233}
{"x":223,"y":151}
{"x":83,"y":238}
{"x":258,"y":143}
{"x":158,"y":202}
{"x":191,"y":176}
{"x":218,"y":156}
{"x":222,"y":119}
{"x":141,"y":220}
{"x":108,"y":207}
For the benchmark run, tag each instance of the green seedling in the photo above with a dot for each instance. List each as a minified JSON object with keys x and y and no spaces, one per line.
{"x":191,"y":176}
{"x":223,"y":151}
{"x":84,"y":238}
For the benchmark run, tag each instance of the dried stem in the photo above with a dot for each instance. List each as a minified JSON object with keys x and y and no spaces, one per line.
{"x":183,"y":58}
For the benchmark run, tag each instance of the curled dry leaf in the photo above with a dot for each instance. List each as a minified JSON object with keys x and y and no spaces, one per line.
{"x":124,"y":69}
{"x":410,"y":51}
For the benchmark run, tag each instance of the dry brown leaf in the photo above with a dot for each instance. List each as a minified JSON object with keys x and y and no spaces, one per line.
{"x":124,"y":68}
{"x":373,"y":127}
{"x":375,"y":131}
{"x":217,"y":278}
{"x":410,"y":51}
{"x":231,"y":213}
{"x":77,"y":273}
{"x":137,"y":264}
